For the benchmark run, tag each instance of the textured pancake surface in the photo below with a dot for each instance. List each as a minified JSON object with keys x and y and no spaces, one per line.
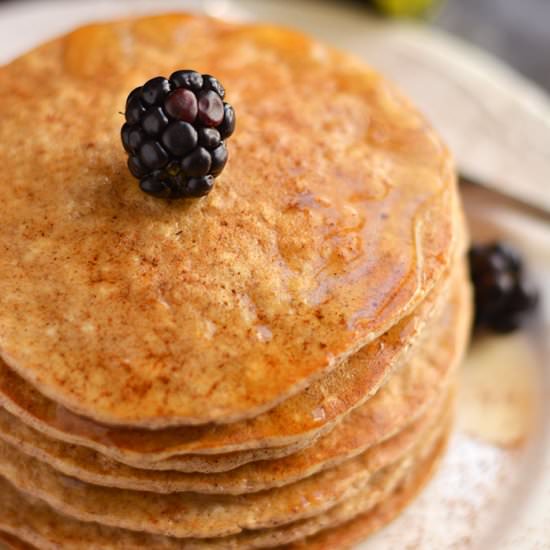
{"x":362,"y":429}
{"x":92,"y":467}
{"x":193,"y":515}
{"x":141,"y":312}
{"x":346,"y":535}
{"x":37,"y":523}
{"x":399,"y":402}
{"x":294,"y":423}
{"x":203,"y":516}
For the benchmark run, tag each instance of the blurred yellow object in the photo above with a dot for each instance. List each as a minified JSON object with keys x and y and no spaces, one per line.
{"x":404,"y":8}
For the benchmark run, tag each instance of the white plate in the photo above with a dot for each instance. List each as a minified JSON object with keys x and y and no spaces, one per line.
{"x":492,"y":491}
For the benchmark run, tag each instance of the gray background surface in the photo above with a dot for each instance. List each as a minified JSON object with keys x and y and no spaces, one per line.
{"x":517,"y":31}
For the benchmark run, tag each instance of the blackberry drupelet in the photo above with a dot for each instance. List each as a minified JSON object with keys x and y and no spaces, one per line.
{"x":175,"y":134}
{"x":504,"y":295}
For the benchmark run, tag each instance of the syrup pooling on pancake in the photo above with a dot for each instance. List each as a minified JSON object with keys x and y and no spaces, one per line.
{"x":235,"y":302}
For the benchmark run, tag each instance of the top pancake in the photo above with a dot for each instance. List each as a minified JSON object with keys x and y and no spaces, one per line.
{"x":331,"y":221}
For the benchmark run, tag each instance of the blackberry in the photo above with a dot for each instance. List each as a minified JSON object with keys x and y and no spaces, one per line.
{"x":175,"y":134}
{"x":504,"y":294}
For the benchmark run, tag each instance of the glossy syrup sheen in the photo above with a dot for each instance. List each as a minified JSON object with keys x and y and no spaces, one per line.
{"x":332,"y":220}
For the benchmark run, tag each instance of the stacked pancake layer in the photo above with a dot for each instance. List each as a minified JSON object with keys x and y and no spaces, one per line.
{"x":270,"y":366}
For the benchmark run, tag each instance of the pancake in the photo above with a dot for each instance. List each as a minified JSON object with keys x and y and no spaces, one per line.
{"x":404,"y":398}
{"x":351,"y":438}
{"x":381,"y":486}
{"x":299,"y":419}
{"x":203,"y":516}
{"x":36,"y":523}
{"x":183,"y":463}
{"x":139,"y":312}
{"x":347,"y":534}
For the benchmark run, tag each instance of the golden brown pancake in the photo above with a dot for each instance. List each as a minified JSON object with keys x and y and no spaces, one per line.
{"x":403,"y":399}
{"x":348,"y":534}
{"x":332,"y":221}
{"x":299,"y":419}
{"x":37,"y":523}
{"x":186,"y":515}
{"x":350,"y":438}
{"x":269,"y":365}
{"x":381,"y":486}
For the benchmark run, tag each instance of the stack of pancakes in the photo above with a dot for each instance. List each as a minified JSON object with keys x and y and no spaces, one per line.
{"x":271,"y":365}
